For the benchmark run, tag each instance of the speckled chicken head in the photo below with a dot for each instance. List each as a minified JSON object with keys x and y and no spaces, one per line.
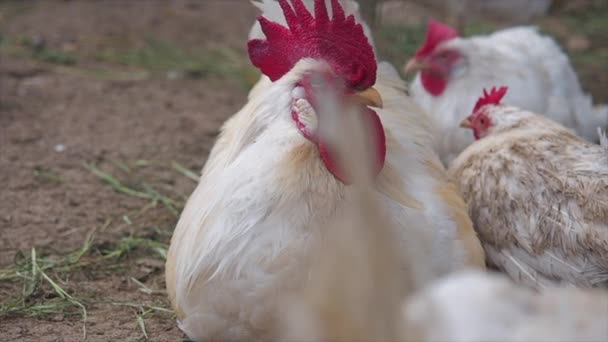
{"x":480,"y":120}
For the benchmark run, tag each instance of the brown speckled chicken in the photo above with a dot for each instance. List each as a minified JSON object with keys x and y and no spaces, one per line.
{"x":538,"y":196}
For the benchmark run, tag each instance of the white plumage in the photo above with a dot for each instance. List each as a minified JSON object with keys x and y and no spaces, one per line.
{"x":538,"y":73}
{"x":475,"y":306}
{"x":248,"y":232}
{"x":428,"y":188}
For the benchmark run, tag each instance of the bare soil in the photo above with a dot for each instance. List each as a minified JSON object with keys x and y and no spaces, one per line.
{"x":103,"y":121}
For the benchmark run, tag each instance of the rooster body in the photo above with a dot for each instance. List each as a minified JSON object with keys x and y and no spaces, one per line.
{"x":537,"y":72}
{"x":247,"y":230}
{"x":270,"y":187}
{"x":427,"y":181}
{"x":240,"y":252}
{"x":538,"y":196}
{"x":428,"y":185}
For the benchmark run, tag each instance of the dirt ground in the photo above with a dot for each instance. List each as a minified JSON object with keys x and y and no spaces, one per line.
{"x":104,"y":109}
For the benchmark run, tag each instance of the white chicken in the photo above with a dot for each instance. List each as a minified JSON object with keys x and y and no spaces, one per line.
{"x":454,"y":69}
{"x":272,"y":11}
{"x":273,"y":182}
{"x":475,"y":306}
{"x":426,"y":180}
{"x":538,"y":196}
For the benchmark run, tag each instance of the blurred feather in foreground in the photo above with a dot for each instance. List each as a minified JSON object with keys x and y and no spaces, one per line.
{"x":351,"y":293}
{"x":476,"y":306}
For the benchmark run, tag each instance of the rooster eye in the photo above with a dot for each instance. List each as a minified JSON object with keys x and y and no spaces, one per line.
{"x":442,"y":57}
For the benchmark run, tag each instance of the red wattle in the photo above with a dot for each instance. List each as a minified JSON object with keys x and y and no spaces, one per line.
{"x":434,"y":83}
{"x":378,"y":138}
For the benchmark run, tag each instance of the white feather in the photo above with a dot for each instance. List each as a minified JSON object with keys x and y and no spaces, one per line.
{"x":248,"y":229}
{"x":474,"y":306}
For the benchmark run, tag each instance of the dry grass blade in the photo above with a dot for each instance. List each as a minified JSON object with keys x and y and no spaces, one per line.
{"x":166,"y":201}
{"x":36,"y":271}
{"x":148,"y":192}
{"x":185,"y":171}
{"x":137,"y":306}
{"x":145,"y":289}
{"x":71,"y":261}
{"x":60,"y":292}
{"x":142,"y":325}
{"x":115,"y":183}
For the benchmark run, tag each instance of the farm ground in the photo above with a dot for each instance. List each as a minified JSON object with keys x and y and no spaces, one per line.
{"x":107,"y":112}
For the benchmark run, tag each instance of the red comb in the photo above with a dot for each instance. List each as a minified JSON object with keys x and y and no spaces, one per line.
{"x":436,"y":34}
{"x":493,"y":97}
{"x":339,"y":41}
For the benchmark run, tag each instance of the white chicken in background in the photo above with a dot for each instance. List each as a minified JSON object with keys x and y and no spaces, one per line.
{"x":475,"y":306}
{"x":273,"y":182}
{"x":538,"y":196}
{"x":453,"y":70}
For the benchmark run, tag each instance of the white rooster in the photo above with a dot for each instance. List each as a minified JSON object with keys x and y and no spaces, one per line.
{"x":453,"y":70}
{"x":274,"y":181}
{"x":538,"y":196}
{"x":426,"y":180}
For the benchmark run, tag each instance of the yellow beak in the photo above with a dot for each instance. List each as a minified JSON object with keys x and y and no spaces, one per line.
{"x":466,"y":123}
{"x":368,"y":97}
{"x":414,"y":65}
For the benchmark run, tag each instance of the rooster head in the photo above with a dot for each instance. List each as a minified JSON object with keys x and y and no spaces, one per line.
{"x":433,"y":60}
{"x":341,"y":46}
{"x":480,"y":120}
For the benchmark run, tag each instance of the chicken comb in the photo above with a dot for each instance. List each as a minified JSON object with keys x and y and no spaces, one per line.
{"x":339,"y":41}
{"x":493,"y":97}
{"x":436,"y":34}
